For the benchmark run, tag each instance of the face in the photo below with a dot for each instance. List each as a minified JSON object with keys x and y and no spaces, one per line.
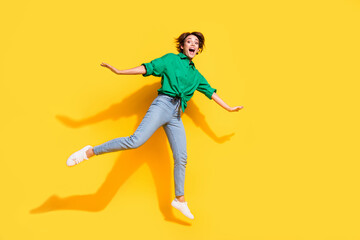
{"x":191,"y":46}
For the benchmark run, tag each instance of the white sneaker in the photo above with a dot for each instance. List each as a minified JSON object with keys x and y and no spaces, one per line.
{"x":78,"y":156}
{"x":182,"y":207}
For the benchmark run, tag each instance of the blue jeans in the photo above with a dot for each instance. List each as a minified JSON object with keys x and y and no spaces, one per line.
{"x":164,"y":111}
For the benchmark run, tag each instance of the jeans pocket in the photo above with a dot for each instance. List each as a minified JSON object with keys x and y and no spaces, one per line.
{"x":163,"y":101}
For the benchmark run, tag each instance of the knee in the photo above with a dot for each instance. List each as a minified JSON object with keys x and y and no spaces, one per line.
{"x":135,"y":141}
{"x":180,"y":159}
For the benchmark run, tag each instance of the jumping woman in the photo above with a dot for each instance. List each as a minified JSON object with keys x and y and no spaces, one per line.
{"x":179,"y":80}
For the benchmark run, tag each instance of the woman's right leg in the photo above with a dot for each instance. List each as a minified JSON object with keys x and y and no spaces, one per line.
{"x":154,"y":118}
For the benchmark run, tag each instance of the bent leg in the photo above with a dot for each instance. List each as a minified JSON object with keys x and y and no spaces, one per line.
{"x":154,"y":118}
{"x":176,"y":135}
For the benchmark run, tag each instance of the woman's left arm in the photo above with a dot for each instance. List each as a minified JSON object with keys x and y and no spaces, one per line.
{"x":223,"y":104}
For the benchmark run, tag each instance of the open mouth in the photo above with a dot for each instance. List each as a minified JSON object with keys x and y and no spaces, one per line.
{"x":191,"y":50}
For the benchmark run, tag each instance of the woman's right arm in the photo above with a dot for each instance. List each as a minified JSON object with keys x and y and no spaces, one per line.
{"x":132,"y":71}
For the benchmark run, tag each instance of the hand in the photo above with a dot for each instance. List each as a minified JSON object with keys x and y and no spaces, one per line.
{"x":104,"y":65}
{"x":110,"y":67}
{"x":235,"y":109}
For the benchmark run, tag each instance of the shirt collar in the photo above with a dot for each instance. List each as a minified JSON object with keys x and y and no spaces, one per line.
{"x":183,"y":56}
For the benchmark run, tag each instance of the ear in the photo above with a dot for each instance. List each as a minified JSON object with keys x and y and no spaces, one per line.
{"x":181,"y":47}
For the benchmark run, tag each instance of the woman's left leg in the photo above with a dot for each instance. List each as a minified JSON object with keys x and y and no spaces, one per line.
{"x":176,"y":135}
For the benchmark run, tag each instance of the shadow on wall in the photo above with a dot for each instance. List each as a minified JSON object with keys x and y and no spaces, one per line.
{"x":154,"y":153}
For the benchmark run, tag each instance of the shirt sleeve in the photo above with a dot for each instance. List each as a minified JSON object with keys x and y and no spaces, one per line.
{"x":156,"y":67}
{"x":205,"y":88}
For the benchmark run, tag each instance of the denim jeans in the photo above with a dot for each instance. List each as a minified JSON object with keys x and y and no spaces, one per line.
{"x":164,"y":111}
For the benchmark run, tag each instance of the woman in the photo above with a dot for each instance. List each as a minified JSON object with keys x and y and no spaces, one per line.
{"x":179,"y":80}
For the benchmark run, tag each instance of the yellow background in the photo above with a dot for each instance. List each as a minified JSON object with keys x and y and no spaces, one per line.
{"x":289,"y":171}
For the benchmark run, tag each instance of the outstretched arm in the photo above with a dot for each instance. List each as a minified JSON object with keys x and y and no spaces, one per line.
{"x":223,"y":104}
{"x":132,"y":71}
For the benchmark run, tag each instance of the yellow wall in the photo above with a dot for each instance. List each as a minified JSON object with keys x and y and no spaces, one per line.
{"x":289,"y":171}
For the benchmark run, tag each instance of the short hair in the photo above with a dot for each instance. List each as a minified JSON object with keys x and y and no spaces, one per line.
{"x":181,"y":39}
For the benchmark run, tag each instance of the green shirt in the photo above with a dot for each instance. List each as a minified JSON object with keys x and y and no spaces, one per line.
{"x":179,"y":77}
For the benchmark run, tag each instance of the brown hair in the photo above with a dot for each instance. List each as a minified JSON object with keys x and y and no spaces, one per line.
{"x":180,"y":40}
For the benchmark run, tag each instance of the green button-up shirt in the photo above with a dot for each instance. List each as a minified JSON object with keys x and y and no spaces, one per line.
{"x":179,"y":77}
